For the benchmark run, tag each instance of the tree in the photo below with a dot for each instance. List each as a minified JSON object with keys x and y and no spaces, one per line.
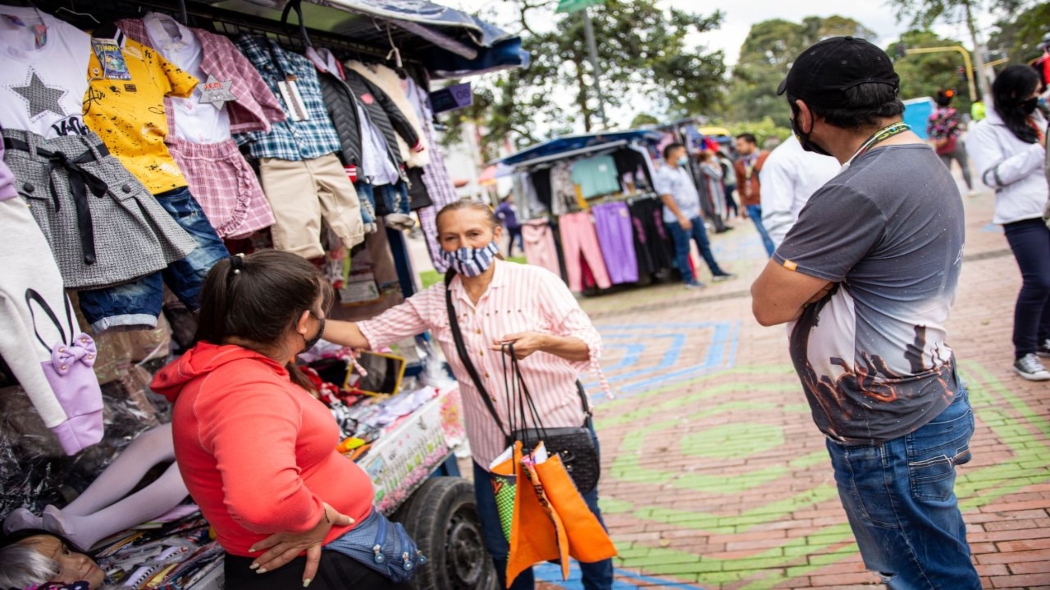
{"x":644,"y":57}
{"x":923,"y":74}
{"x":923,"y":13}
{"x":1019,"y":34}
{"x":765,"y":58}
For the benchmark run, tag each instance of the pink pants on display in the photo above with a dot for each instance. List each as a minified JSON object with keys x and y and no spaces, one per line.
{"x":579,"y":241}
{"x":540,"y":249}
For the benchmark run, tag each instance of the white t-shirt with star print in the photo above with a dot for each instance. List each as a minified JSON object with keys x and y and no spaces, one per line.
{"x":44,"y":77}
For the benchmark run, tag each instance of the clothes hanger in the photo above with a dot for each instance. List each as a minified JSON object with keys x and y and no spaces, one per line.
{"x":73,"y":12}
{"x":297,"y":6}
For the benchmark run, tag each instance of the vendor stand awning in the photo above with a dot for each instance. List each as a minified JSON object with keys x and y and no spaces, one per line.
{"x":446,"y":42}
{"x":574,"y":145}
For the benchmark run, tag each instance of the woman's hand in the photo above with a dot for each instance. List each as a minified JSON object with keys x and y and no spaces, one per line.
{"x":284,"y":547}
{"x":524,"y":343}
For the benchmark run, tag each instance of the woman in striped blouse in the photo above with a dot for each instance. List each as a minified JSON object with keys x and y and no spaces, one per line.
{"x":497,"y":302}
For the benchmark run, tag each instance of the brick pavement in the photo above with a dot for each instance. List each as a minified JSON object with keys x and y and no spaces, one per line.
{"x":716,"y":477}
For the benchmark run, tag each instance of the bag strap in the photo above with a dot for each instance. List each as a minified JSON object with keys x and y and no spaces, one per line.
{"x":31,"y":296}
{"x":461,"y":349}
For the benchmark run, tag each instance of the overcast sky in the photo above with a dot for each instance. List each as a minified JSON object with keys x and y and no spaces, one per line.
{"x":740,"y":15}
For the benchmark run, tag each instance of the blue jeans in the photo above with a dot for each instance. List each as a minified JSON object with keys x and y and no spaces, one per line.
{"x":681,"y":247}
{"x":394,"y":198}
{"x":900,"y":500}
{"x":755,"y":213}
{"x":138,"y":303}
{"x":1030,"y":241}
{"x":596,"y":576}
{"x":366,"y":195}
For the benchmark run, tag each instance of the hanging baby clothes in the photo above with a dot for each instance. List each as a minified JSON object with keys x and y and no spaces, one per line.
{"x":367,"y":154}
{"x":40,"y":340}
{"x":612,"y":223}
{"x":580,"y":243}
{"x":299,"y":153}
{"x":439,"y":184}
{"x":231,"y":97}
{"x":540,"y":249}
{"x":127,"y":111}
{"x":415,"y":155}
{"x":43,"y":73}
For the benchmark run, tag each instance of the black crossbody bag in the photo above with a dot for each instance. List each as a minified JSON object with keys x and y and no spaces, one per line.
{"x":573,"y":444}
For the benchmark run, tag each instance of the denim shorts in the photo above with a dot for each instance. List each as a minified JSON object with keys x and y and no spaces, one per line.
{"x":900,"y":499}
{"x":138,"y":303}
{"x":393,"y":198}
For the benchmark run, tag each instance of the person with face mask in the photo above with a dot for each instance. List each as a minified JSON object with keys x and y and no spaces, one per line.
{"x":498,"y":302}
{"x":1009,"y":149}
{"x":682,"y":215}
{"x":865,"y":280}
{"x":256,"y":450}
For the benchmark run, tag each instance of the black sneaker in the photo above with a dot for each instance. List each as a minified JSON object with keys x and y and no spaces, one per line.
{"x":722,"y":277}
{"x":1044,"y":349}
{"x":1031,"y":368}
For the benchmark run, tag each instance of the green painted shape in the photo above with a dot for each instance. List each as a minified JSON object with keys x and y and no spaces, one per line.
{"x":728,"y":441}
{"x":800,"y":556}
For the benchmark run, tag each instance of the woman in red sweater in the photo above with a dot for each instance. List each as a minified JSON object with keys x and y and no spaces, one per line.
{"x":256,"y":449}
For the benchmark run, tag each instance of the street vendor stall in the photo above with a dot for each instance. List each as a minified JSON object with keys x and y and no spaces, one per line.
{"x":590,"y":212}
{"x":210,"y":129}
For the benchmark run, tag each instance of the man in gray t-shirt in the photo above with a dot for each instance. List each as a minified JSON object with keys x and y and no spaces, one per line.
{"x":865,"y":279}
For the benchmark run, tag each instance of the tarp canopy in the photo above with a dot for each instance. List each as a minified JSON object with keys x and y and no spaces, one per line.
{"x":578,"y":144}
{"x":447,"y":42}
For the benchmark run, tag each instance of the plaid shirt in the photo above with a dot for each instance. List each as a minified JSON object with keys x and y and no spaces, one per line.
{"x":288,"y":140}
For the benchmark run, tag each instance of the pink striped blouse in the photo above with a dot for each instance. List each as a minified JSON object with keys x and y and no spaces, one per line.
{"x":521,"y":298}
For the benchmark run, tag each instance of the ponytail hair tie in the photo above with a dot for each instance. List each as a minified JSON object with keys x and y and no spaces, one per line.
{"x":237,"y":263}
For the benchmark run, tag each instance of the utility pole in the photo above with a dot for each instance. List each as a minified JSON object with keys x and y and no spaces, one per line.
{"x":592,"y":47}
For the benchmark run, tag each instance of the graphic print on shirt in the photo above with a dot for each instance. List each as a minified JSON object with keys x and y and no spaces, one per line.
{"x":129,"y":115}
{"x":38,"y":98}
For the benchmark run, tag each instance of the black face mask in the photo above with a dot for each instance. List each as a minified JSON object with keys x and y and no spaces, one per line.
{"x":803,"y":138}
{"x":1029,"y":105}
{"x":311,"y":342}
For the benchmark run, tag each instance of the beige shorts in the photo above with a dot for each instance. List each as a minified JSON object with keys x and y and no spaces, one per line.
{"x":301,"y":194}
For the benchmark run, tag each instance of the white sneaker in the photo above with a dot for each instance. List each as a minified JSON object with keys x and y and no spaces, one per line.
{"x":1031,"y":368}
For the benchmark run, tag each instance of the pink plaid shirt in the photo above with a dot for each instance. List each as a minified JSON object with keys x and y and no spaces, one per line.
{"x":256,"y":106}
{"x":521,"y":298}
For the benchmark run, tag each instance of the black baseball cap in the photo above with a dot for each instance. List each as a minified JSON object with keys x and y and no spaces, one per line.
{"x":822,"y":74}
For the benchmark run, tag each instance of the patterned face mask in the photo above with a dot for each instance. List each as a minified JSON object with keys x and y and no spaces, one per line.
{"x":471,"y":262}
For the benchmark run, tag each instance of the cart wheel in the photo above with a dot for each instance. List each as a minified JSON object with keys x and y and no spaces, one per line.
{"x":442,"y":517}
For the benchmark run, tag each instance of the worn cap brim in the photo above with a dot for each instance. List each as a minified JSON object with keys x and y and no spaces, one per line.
{"x":783,"y":87}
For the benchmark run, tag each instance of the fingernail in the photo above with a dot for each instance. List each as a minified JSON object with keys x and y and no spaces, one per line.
{"x":253,"y":566}
{"x":261,"y":570}
{"x":252,"y":550}
{"x":306,"y":582}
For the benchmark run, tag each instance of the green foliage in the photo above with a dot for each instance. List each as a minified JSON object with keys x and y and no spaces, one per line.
{"x":762,"y":129}
{"x":923,"y":13}
{"x":643,"y":54}
{"x":643,"y":119}
{"x":1019,"y":32}
{"x":923,"y":74}
{"x":766,"y":57}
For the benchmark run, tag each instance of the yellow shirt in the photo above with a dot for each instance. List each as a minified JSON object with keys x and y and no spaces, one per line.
{"x":129,"y":114}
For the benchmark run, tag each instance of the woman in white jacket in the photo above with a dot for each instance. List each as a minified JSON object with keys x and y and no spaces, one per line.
{"x":1009,"y":150}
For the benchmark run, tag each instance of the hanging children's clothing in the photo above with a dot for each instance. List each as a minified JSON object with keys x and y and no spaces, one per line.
{"x":40,"y":340}
{"x":647,"y":217}
{"x":231,"y":97}
{"x":438,"y":183}
{"x":43,"y":73}
{"x":580,"y":243}
{"x":563,"y":189}
{"x":540,"y":248}
{"x":300,"y":152}
{"x":612,"y":223}
{"x":129,"y":83}
{"x":103,"y":226}
{"x":415,"y":155}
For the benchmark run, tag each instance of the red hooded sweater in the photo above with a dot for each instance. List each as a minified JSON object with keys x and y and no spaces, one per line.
{"x":257,"y":452}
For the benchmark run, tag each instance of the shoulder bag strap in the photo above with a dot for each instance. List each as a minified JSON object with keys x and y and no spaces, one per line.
{"x":461,"y":349}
